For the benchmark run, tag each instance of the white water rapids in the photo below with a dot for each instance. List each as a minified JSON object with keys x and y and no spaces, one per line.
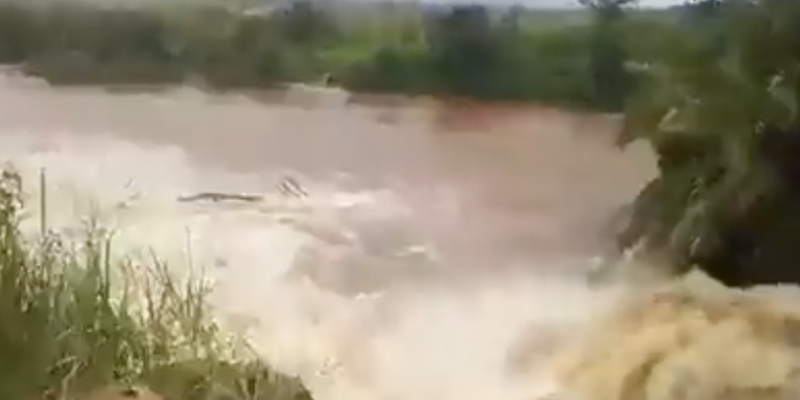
{"x":421,"y":265}
{"x":402,"y":334}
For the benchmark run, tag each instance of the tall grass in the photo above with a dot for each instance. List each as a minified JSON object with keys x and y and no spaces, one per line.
{"x":68,"y":328}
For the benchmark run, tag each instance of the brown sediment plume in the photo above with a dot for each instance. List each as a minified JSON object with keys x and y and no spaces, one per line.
{"x":693,"y":339}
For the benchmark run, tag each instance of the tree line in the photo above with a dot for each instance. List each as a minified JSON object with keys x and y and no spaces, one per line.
{"x":459,"y":51}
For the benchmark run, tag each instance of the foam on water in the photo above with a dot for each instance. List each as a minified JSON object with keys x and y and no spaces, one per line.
{"x":282,"y":267}
{"x":322,"y":287}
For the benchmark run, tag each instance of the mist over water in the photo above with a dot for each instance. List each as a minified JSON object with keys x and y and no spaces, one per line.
{"x":433,"y":240}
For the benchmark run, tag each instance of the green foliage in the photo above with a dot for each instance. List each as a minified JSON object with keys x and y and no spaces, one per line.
{"x":72,"y":321}
{"x":608,"y":54}
{"x":721,"y":111}
{"x":391,"y":70}
{"x":462,"y":51}
{"x":303,"y":24}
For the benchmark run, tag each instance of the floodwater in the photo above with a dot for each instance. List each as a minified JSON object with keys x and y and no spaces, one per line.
{"x":425,"y":239}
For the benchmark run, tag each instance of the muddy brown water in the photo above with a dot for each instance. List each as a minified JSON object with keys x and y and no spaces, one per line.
{"x":482,"y":189}
{"x":527,"y":180}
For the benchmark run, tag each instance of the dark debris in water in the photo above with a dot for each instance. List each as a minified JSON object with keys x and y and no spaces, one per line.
{"x":217,"y":196}
{"x":287,"y":187}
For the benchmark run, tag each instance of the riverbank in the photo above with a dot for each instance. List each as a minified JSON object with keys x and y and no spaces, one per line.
{"x":70,"y":329}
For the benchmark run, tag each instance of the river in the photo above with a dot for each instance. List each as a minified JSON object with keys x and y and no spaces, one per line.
{"x":425,"y":237}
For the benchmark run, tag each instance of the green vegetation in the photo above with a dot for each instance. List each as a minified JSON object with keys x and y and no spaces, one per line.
{"x":719,"y":106}
{"x":473,"y":51}
{"x":68,"y":327}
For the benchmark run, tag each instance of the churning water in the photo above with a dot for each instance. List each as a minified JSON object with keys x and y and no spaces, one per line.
{"x":381,"y":250}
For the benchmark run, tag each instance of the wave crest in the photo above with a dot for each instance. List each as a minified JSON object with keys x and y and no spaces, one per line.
{"x":692,"y":339}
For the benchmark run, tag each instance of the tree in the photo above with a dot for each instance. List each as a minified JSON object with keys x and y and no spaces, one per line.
{"x":725,"y":126}
{"x":304,"y":23}
{"x":464,"y":50}
{"x":18,"y":33}
{"x":608,"y":53}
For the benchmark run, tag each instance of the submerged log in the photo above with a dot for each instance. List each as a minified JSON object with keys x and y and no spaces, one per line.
{"x":217,"y":196}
